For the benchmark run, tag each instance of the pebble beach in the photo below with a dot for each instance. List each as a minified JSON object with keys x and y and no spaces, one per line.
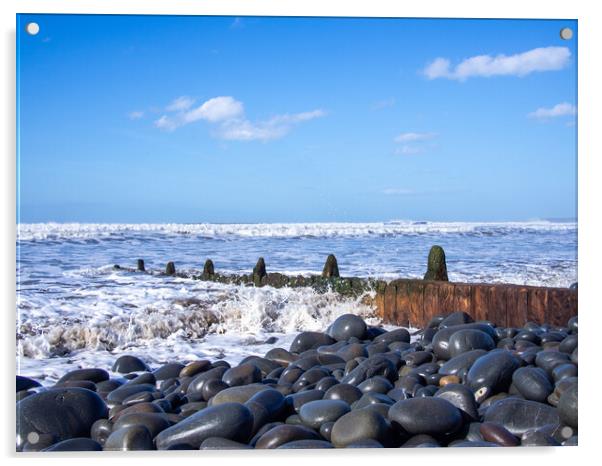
{"x":460,"y":383}
{"x":149,"y":358}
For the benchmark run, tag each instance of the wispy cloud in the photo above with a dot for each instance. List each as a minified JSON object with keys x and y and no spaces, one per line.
{"x":273,"y":128}
{"x":414,"y":137}
{"x":135,"y":115}
{"x":413,"y":143}
{"x":180,"y":104}
{"x":558,"y":110}
{"x":227,"y":115}
{"x":521,"y":64}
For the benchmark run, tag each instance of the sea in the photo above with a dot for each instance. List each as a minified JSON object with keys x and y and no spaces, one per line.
{"x":74,"y":309}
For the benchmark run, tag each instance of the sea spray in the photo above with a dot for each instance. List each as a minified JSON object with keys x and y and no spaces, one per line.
{"x":185,"y":315}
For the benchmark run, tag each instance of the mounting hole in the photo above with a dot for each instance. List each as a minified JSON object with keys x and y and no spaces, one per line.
{"x":32,"y":28}
{"x":566,"y":33}
{"x":33,"y":438}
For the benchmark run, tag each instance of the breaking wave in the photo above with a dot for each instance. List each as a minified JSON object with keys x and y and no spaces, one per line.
{"x":96,"y":231}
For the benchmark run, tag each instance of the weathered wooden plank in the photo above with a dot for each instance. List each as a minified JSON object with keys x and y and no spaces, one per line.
{"x":446,"y":297}
{"x":497,"y":305}
{"x":380,"y":300}
{"x":560,"y":306}
{"x":463,"y":297}
{"x":480,"y":302}
{"x":431,"y":301}
{"x":537,"y":303}
{"x":402,"y":304}
{"x":516,"y":306}
{"x":416,"y":297}
{"x":574,"y":305}
{"x":390,"y":301}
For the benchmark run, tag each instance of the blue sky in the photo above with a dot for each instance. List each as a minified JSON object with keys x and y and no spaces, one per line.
{"x":222,"y":119}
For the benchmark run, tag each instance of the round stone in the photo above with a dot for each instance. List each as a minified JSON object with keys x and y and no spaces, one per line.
{"x":348,"y":326}
{"x":468,"y":340}
{"x":532,"y":383}
{"x":497,"y":433}
{"x":343,"y":391}
{"x":232,"y":421}
{"x":25,"y":383}
{"x":218,"y":443}
{"x":168,"y":371}
{"x":244,"y":374}
{"x":130,"y":438}
{"x":76,"y":444}
{"x":568,"y":406}
{"x":45,"y":413}
{"x":518,"y":416}
{"x":309,"y":340}
{"x":441,"y":339}
{"x":397,"y":335}
{"x":316,"y":413}
{"x":432,"y":416}
{"x":91,"y":375}
{"x":461,"y":397}
{"x":126,"y":364}
{"x":285,"y":433}
{"x":359,"y":425}
{"x":154,"y":422}
{"x":491,"y":373}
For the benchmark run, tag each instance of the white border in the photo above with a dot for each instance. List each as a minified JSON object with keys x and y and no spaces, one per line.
{"x":590,"y":79}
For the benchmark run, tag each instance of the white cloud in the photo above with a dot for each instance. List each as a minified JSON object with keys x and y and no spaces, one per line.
{"x":413,"y":143}
{"x":274,"y":128}
{"x":397,"y":191}
{"x":216,"y":109}
{"x":414,"y":137}
{"x":135,"y":115}
{"x":520,"y":64}
{"x":180,"y":104}
{"x":213,"y":110}
{"x":227,"y":114}
{"x":165,"y":123}
{"x":558,"y":110}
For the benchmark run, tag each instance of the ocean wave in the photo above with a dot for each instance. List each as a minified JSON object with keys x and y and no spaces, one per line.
{"x":120,"y":231}
{"x":126,"y":318}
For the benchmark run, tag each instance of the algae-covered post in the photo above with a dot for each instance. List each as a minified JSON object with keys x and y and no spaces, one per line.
{"x":208,"y":268}
{"x":436,"y":268}
{"x":140,"y":265}
{"x":170,"y":268}
{"x":259,"y":271}
{"x":331,"y":268}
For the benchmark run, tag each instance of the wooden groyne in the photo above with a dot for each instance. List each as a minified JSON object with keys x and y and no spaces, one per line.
{"x":414,"y":302}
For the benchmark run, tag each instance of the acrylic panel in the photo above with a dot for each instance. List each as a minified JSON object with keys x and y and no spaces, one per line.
{"x":295,"y":232}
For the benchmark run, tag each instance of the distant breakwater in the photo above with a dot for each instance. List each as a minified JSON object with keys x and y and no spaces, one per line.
{"x":414,"y":302}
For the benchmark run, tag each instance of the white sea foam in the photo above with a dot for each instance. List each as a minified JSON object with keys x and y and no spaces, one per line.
{"x":58,"y":231}
{"x":166,"y":319}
